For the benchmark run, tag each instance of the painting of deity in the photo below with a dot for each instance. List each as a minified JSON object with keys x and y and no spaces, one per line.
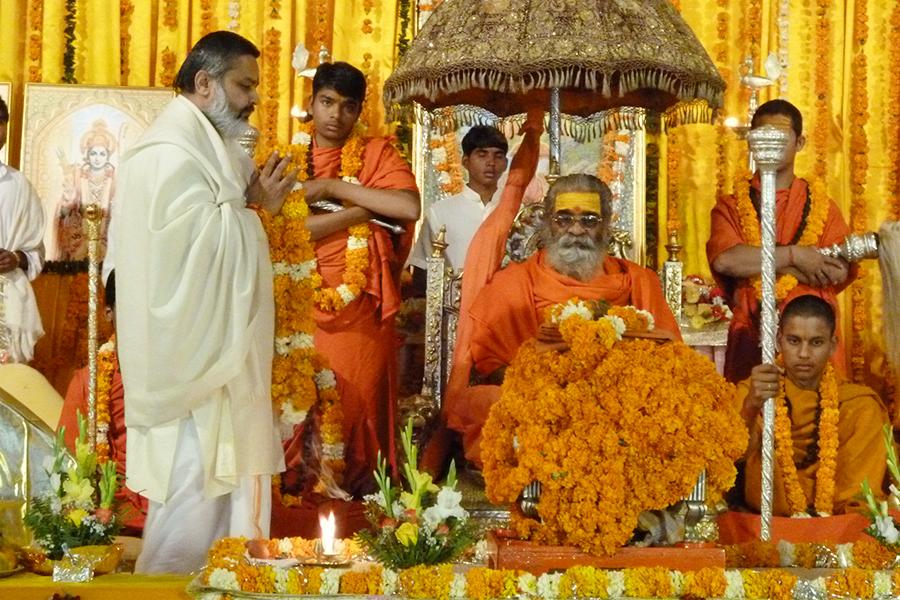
{"x":73,"y":139}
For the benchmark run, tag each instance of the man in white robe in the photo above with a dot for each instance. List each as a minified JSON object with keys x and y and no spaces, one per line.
{"x":195,"y":313}
{"x":21,"y":259}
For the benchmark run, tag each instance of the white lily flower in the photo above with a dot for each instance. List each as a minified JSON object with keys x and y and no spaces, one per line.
{"x":887,"y":529}
{"x":300,"y":58}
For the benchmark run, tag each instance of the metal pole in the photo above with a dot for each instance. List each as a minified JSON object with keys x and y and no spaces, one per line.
{"x":93,"y":214}
{"x":554,"y":134}
{"x":767,"y":145}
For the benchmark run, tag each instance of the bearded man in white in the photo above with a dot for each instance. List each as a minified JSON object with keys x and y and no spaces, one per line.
{"x":21,"y":257}
{"x":195,"y":313}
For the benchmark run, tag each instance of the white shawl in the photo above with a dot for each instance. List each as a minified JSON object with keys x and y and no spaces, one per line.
{"x":21,"y":229}
{"x":195,"y":312}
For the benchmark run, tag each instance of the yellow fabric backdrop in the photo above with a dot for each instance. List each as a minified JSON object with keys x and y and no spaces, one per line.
{"x":129,"y":42}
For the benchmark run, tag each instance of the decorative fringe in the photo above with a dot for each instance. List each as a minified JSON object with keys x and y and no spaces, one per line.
{"x":889,"y":261}
{"x":432,"y":86}
{"x":581,"y":129}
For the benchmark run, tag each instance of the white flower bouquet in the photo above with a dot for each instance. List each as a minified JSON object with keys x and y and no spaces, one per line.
{"x":423,"y":524}
{"x":79,"y":508}
{"x":883,"y":527}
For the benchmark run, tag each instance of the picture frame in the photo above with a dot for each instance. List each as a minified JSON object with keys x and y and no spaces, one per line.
{"x":6,"y":94}
{"x":72,"y":139}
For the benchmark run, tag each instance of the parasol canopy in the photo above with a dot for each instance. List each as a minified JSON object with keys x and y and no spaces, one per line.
{"x":506,"y":55}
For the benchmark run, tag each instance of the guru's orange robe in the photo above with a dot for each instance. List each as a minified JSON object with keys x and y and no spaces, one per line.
{"x":360,"y":341}
{"x":743,"y":352}
{"x":134,"y":506}
{"x":861,"y":453}
{"x":509,"y":311}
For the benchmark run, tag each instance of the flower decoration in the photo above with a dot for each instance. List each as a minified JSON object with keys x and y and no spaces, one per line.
{"x":703,"y":302}
{"x":79,"y":508}
{"x":421,"y":524}
{"x":576,"y":422}
{"x":883,"y":527}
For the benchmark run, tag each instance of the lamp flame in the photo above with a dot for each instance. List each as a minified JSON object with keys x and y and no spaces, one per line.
{"x":328,"y":527}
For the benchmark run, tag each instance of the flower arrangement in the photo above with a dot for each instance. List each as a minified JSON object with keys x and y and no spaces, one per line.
{"x":79,"y":508}
{"x":703,"y":303}
{"x":233,"y":573}
{"x":883,"y":527}
{"x":421,"y":525}
{"x":577,"y":421}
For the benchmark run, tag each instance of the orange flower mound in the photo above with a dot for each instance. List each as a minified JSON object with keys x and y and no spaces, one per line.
{"x":610,"y":429}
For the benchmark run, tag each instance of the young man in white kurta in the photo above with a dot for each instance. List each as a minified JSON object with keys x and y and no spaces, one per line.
{"x":195,"y":313}
{"x":484,"y":158}
{"x":21,"y":256}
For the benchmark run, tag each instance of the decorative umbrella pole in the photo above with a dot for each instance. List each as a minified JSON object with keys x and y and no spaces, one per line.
{"x":767,"y":144}
{"x":94,"y":215}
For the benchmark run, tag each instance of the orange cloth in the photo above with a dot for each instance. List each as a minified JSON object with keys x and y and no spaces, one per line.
{"x":743,"y":352}
{"x":510,"y":310}
{"x":134,"y":506}
{"x":861,"y":452}
{"x":359,"y":341}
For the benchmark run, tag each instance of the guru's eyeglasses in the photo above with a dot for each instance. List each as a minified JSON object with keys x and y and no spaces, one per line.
{"x":566,"y":220}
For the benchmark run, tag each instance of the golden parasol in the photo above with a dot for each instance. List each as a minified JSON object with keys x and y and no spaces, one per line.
{"x":507,"y":56}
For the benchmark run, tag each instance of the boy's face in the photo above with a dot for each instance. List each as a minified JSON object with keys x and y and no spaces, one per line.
{"x":485,"y":166}
{"x":806,"y":344}
{"x":784,"y":123}
{"x":334,"y":116}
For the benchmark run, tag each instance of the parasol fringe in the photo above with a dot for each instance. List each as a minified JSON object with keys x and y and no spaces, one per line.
{"x":581,"y":129}
{"x":561,"y":77}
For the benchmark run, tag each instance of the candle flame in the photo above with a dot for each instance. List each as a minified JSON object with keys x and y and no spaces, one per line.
{"x":328,"y":527}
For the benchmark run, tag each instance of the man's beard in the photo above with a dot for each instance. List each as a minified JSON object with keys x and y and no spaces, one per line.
{"x":225,"y":119}
{"x":576,"y":256}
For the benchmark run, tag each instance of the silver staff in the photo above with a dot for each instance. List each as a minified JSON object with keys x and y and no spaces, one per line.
{"x":329,"y":206}
{"x":767,"y":144}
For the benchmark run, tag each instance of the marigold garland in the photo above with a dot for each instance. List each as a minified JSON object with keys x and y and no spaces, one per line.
{"x":207,"y":17}
{"x":827,"y":453}
{"x":107,"y":365}
{"x":126,"y":10}
{"x":271,"y":56}
{"x":599,"y":470}
{"x":859,"y":168}
{"x":822,"y":75}
{"x":891,"y":117}
{"x":228,"y":568}
{"x":750,"y":226}
{"x":445,"y":157}
{"x":167,"y":60}
{"x":35,"y":20}
{"x":170,"y":14}
{"x":301,"y":378}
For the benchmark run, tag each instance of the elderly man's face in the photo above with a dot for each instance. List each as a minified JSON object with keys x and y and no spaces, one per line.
{"x":575,"y":247}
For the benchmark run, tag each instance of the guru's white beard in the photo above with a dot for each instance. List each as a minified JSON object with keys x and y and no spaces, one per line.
{"x":227,"y":122}
{"x":575,"y":256}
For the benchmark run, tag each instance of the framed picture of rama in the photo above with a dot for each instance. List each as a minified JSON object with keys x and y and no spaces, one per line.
{"x":72,"y":138}
{"x":5,"y":94}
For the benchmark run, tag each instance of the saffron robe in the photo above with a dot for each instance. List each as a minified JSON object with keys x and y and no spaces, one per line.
{"x":743,"y":351}
{"x":359,"y":341}
{"x":134,"y":505}
{"x":861,"y":453}
{"x":510,"y":309}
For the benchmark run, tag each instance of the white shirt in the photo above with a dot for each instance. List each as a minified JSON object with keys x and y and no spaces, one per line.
{"x":462,"y":215}
{"x":21,"y":229}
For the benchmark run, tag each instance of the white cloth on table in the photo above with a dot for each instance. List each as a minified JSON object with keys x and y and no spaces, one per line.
{"x":21,"y":229}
